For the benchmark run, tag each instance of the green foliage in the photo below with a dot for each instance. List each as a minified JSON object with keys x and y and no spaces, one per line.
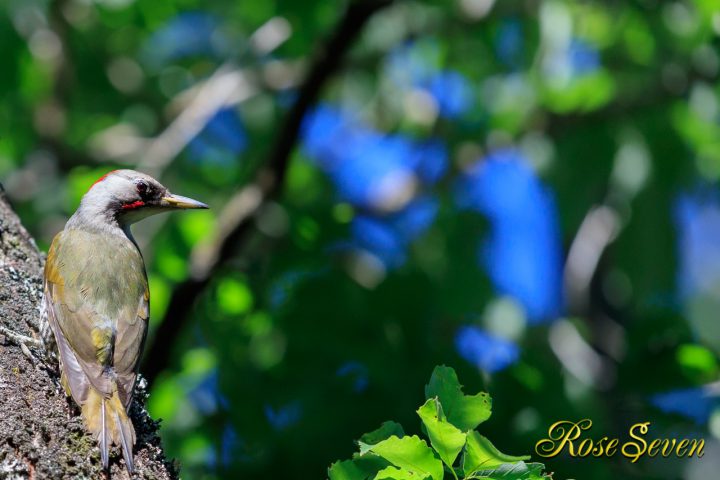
{"x":464,"y":411}
{"x":234,"y":297}
{"x":387,"y":453}
{"x":445,"y":438}
{"x":480,"y":454}
{"x":291,"y":339}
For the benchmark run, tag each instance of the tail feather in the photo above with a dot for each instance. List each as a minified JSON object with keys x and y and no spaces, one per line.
{"x":103,"y":436}
{"x":127,"y":440}
{"x":107,"y":420}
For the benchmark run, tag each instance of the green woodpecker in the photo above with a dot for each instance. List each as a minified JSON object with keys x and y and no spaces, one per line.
{"x":97,"y":298}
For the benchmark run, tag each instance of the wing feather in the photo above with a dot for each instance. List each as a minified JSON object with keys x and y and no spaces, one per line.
{"x":129,"y":343}
{"x":73,"y":376}
{"x":99,"y":328}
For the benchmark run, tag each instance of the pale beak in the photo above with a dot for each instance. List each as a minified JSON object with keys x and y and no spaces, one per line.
{"x":180,"y":202}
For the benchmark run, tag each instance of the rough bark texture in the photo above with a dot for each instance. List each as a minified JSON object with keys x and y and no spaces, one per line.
{"x":41,"y":433}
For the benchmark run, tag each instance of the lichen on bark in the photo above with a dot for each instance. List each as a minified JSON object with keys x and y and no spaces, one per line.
{"x":42,"y":435}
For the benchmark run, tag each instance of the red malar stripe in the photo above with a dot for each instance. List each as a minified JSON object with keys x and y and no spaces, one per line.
{"x":130,"y":206}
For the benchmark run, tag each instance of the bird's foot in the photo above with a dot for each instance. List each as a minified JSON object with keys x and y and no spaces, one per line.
{"x":24,"y":342}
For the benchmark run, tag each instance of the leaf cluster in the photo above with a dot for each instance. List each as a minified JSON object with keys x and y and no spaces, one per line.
{"x":453,"y":447}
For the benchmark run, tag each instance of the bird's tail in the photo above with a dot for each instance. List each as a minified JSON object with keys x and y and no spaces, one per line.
{"x":107,"y":420}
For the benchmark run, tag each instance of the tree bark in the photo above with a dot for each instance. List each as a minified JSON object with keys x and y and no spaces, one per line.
{"x":42,"y":435}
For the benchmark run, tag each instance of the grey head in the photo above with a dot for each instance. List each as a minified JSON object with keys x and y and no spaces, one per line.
{"x":123,"y":197}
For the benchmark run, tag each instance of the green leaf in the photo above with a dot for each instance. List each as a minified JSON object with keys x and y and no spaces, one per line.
{"x":346,"y":470}
{"x":394,"y":473}
{"x":411,"y":454}
{"x":480,"y":453}
{"x":386,"y":430}
{"x":464,"y":411}
{"x":359,"y":468}
{"x":445,"y":438}
{"x":512,"y":471}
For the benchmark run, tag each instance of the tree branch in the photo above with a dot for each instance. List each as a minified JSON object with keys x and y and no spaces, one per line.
{"x":236,"y":218}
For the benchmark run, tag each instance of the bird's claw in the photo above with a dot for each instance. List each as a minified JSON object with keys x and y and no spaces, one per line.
{"x":23,"y":341}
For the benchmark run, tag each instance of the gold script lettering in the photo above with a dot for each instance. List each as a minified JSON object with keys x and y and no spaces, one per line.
{"x":699,"y":445}
{"x":635,"y":450}
{"x":682,"y":447}
{"x":612,"y":447}
{"x":560,"y":434}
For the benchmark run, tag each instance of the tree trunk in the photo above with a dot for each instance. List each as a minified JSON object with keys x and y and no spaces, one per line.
{"x":41,"y":432}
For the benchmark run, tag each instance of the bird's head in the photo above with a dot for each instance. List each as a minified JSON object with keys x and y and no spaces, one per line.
{"x":129,"y":196}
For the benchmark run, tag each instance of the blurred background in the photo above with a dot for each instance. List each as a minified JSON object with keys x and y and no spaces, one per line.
{"x":526,"y":191}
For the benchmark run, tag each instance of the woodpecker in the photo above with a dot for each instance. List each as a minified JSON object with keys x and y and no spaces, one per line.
{"x":97,"y":299}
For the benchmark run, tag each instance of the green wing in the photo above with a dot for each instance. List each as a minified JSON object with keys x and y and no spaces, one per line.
{"x":98,"y":302}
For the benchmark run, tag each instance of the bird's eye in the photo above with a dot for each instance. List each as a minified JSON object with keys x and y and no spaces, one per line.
{"x":142,"y":187}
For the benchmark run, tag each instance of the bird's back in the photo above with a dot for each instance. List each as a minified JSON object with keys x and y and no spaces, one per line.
{"x":97,"y":289}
